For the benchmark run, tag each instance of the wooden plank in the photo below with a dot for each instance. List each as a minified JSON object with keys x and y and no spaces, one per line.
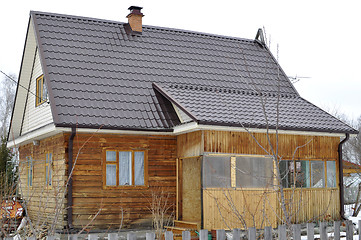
{"x":252,"y":233}
{"x":349,"y":230}
{"x":296,"y":229}
{"x":282,"y":233}
{"x":221,"y":234}
{"x":186,"y":235}
{"x":203,"y":234}
{"x":336,"y":227}
{"x":323,"y":232}
{"x":268,"y":233}
{"x":236,"y":234}
{"x":149,"y":236}
{"x":310,"y":230}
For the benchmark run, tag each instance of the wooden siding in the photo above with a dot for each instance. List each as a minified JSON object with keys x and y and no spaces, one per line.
{"x":190,"y":144}
{"x":316,"y":147}
{"x":35,"y":117}
{"x":230,"y":208}
{"x":313,"y":204}
{"x":43,"y":202}
{"x":132,"y":204}
{"x":24,"y":78}
{"x":235,"y":208}
{"x":256,"y":204}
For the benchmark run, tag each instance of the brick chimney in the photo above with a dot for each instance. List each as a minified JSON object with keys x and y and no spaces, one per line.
{"x":135,"y":18}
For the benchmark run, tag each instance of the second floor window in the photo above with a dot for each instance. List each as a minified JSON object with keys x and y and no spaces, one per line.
{"x":41,"y":91}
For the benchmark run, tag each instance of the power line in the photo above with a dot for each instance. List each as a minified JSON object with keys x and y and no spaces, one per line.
{"x":27,"y":89}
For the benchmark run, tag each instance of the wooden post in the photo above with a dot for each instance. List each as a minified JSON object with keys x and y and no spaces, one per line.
{"x":113,"y":236}
{"x":310,"y":231}
{"x":268,"y":233}
{"x":221,"y":234}
{"x":93,"y":236}
{"x":186,"y":235}
{"x":336,"y":229}
{"x":203,"y":234}
{"x":149,"y":236}
{"x":349,"y":230}
{"x":168,"y":235}
{"x":236,"y":234}
{"x":296,"y":231}
{"x":282,"y":234}
{"x":252,"y":233}
{"x":323,"y":231}
{"x":131,"y":236}
{"x":73,"y":237}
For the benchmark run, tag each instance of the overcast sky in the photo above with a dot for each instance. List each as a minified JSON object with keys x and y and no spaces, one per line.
{"x":317,"y":39}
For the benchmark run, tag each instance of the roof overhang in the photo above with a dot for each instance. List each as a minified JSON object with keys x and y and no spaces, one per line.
{"x":38,"y":134}
{"x":193,"y":126}
{"x":51,"y":130}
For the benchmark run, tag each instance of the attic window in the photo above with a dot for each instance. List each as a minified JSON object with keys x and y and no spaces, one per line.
{"x":41,"y":91}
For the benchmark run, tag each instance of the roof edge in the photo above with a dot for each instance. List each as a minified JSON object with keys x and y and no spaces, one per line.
{"x":171,"y":99}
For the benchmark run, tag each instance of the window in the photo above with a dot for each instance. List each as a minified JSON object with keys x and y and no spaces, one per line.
{"x":241,"y":171}
{"x":48,"y":169}
{"x":217,"y":171}
{"x":30,"y":170}
{"x":305,"y":173}
{"x":41,"y":91}
{"x":331,"y":173}
{"x":254,"y":172}
{"x":125,"y":168}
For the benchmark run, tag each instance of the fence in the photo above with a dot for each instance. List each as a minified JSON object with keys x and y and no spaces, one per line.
{"x":251,"y":234}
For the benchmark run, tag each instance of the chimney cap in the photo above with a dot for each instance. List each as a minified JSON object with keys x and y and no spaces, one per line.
{"x":134,"y":7}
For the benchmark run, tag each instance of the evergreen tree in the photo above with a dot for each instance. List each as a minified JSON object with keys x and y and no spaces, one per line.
{"x":8,"y":176}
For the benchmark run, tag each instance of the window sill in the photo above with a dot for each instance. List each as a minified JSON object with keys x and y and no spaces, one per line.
{"x":125,"y":187}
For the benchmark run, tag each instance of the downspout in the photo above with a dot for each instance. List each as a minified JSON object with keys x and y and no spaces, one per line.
{"x":340,"y":174}
{"x":70,"y":183}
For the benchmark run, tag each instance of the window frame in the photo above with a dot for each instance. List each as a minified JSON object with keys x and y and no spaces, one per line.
{"x":309,"y":181}
{"x":233,"y":182}
{"x":49,"y":164}
{"x":40,"y":98}
{"x":30,"y":171}
{"x":116,"y":162}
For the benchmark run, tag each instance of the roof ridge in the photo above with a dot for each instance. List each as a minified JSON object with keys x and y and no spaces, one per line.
{"x":229,"y":90}
{"x":213,"y":35}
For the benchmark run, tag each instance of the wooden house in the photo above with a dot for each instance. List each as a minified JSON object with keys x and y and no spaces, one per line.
{"x":109,"y":114}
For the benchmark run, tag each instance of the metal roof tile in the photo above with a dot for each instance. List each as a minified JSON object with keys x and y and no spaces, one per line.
{"x":96,"y":69}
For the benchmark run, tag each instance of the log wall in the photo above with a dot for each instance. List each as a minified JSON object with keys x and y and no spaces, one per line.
{"x":44,"y":204}
{"x":109,"y":208}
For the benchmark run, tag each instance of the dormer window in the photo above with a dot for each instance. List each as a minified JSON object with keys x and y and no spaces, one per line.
{"x":41,"y":91}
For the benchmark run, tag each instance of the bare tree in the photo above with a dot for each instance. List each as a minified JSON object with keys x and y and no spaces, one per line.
{"x":7,"y":96}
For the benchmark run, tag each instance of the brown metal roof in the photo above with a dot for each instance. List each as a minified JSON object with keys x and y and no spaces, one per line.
{"x":98,"y":75}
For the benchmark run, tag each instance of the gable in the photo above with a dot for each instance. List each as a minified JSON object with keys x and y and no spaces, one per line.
{"x":25,"y":117}
{"x":35,"y":116}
